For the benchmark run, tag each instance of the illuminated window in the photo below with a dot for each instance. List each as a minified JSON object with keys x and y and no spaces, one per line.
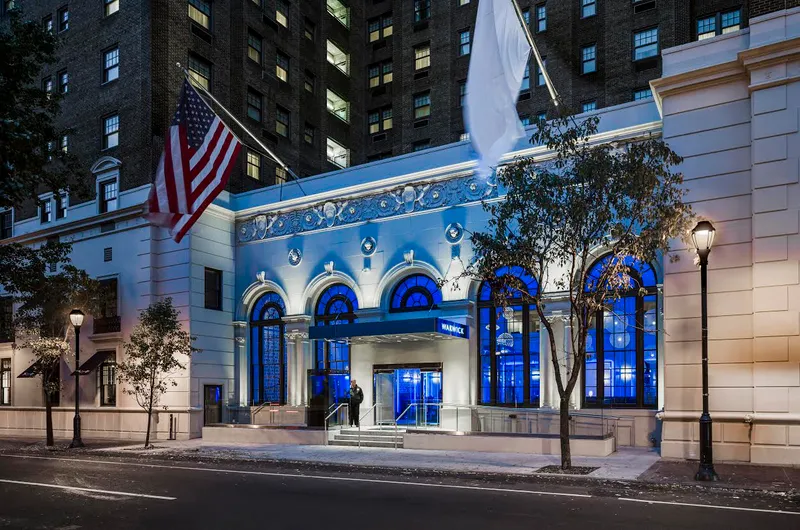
{"x":379,"y":27}
{"x":540,"y":73}
{"x":254,"y":46}
{"x":282,"y":66}
{"x":337,"y":153}
{"x":47,"y":23}
{"x":200,"y":12}
{"x":645,"y":44}
{"x":526,"y":78}
{"x":337,"y":305}
{"x":61,"y":206}
{"x":111,"y":7}
{"x":422,"y":105}
{"x":589,"y":106}
{"x":338,"y":106}
{"x":417,"y":292}
{"x":380,"y":120}
{"x":282,"y":121}
{"x":589,"y":59}
{"x":380,"y":74}
{"x":46,"y":211}
{"x":200,"y":71}
{"x":282,"y":13}
{"x":422,"y":57}
{"x":719,"y":24}
{"x":338,"y":58}
{"x":253,"y":165}
{"x":339,"y":11}
{"x":268,"y":357}
{"x":63,"y":82}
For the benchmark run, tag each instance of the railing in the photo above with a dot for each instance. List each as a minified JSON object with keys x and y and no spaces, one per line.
{"x":106,"y":325}
{"x":336,"y":411}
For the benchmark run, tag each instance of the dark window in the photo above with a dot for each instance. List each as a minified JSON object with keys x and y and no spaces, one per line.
{"x":108,"y":299}
{"x":54,"y":398}
{"x":422,"y":105}
{"x":541,"y":18}
{"x":111,"y":7}
{"x":6,"y":224}
{"x":5,"y":381}
{"x":111,"y":131}
{"x":61,"y":206}
{"x":46,"y":211}
{"x":422,"y":10}
{"x":254,"y":105}
{"x":200,"y":12}
{"x":462,"y":93}
{"x":417,"y":292}
{"x":526,"y":79}
{"x":47,"y":85}
{"x":309,"y":29}
{"x":621,"y":367}
{"x":200,"y":71}
{"x":6,"y":319}
{"x":108,"y":381}
{"x":645,"y":44}
{"x":335,"y":306}
{"x":421,"y":145}
{"x":642,"y":93}
{"x":108,"y":196}
{"x":47,"y":23}
{"x":308,"y":134}
{"x":63,"y":19}
{"x":254,"y":46}
{"x":508,"y":346}
{"x":525,"y":120}
{"x":463,"y":42}
{"x":268,"y":351}
{"x":309,"y":83}
{"x":213,"y":289}
{"x":282,"y":121}
{"x":111,"y":64}
{"x":589,"y":59}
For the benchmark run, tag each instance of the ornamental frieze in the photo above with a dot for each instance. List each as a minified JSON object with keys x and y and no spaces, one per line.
{"x":401,"y":200}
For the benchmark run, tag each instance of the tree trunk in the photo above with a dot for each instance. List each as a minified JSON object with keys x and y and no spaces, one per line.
{"x":566,"y":455}
{"x":48,"y":419}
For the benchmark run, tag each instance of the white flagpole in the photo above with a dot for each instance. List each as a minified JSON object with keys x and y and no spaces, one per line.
{"x":547,"y":81}
{"x":241,"y":125}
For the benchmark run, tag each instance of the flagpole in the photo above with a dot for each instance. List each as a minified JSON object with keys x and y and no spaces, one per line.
{"x":241,"y":125}
{"x":547,"y":81}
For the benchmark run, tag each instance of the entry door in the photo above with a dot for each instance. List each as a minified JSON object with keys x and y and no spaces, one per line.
{"x":384,"y":397}
{"x":432,"y":395}
{"x":212,"y":404}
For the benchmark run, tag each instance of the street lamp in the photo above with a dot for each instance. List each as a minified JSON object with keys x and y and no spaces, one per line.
{"x":76,"y":317}
{"x":703,"y":239}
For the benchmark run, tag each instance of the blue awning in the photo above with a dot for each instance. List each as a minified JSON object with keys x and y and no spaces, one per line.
{"x":414,"y":329}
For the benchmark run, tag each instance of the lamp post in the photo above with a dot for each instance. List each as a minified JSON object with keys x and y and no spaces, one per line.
{"x":703,"y":239}
{"x":76,"y":317}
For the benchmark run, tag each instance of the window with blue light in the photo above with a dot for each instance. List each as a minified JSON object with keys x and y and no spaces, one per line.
{"x":268,"y":350}
{"x":508,"y":342}
{"x":335,"y":306}
{"x":621,"y":367}
{"x":417,"y":292}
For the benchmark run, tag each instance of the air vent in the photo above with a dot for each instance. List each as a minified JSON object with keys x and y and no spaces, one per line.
{"x":421,"y":123}
{"x":107,"y":227}
{"x":379,"y":137}
{"x":419,"y":26}
{"x":107,"y":254}
{"x":381,"y":90}
{"x":421,"y":75}
{"x":378,"y":45}
{"x":202,"y":33}
{"x":640,"y":7}
{"x":525,"y":96}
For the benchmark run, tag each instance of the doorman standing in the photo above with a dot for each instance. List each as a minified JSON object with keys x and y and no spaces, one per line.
{"x":356,"y":397}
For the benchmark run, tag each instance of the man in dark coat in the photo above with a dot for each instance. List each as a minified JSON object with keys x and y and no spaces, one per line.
{"x":356,"y":397}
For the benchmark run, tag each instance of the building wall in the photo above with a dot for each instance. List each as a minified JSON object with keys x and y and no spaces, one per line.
{"x":730,"y":110}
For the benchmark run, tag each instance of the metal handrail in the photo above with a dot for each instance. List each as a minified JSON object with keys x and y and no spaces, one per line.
{"x":260,"y":408}
{"x":329,"y":417}
{"x":361,"y":418}
{"x":397,"y":419}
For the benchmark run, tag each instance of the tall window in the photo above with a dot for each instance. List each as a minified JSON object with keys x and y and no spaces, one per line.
{"x":200,"y":71}
{"x":338,"y":57}
{"x":540,"y":73}
{"x":108,"y":196}
{"x":47,"y":23}
{"x":111,"y":7}
{"x":5,"y":381}
{"x":254,"y":46}
{"x":282,"y":66}
{"x":6,"y":224}
{"x":253,"y":165}
{"x":111,"y":131}
{"x":417,"y":292}
{"x":63,"y":82}
{"x":422,"y":57}
{"x":336,"y":305}
{"x":268,"y":351}
{"x":46,"y":211}
{"x":621,"y":367}
{"x":6,"y":319}
{"x":526,"y":78}
{"x":108,"y":300}
{"x":508,"y":347}
{"x":541,"y":18}
{"x":718,"y":24}
{"x":111,"y":64}
{"x":282,"y":13}
{"x":422,"y":10}
{"x":422,"y":105}
{"x":108,"y":381}
{"x":47,"y":85}
{"x":462,"y":93}
{"x":282,"y":121}
{"x":645,"y":44}
{"x":309,"y":82}
{"x":463,"y":42}
{"x":63,"y":19}
{"x":589,"y":59}
{"x":61,"y":206}
{"x":200,"y":12}
{"x":588,"y":8}
{"x":253,"y":105}
{"x":212,"y":287}
{"x":380,"y":27}
{"x":308,"y":134}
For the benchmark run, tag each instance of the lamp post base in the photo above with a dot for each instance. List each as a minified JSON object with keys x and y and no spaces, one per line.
{"x":76,"y":433}
{"x":706,"y":473}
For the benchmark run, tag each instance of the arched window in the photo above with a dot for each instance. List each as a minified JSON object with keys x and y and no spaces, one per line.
{"x":508,"y":348}
{"x":621,"y":367}
{"x":336,"y":305}
{"x":268,"y":351}
{"x":417,"y":292}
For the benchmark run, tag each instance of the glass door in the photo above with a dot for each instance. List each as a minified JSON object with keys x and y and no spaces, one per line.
{"x":384,"y":397}
{"x":212,"y":404}
{"x":408,"y":395}
{"x":431,"y":395}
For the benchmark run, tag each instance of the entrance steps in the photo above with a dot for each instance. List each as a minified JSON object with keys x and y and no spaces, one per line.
{"x":370,"y":437}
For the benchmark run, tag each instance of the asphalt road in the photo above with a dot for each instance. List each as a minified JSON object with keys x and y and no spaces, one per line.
{"x":77,"y":493}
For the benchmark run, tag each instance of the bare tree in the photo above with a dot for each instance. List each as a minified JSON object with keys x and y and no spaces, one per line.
{"x":153,"y":357}
{"x":620,"y":202}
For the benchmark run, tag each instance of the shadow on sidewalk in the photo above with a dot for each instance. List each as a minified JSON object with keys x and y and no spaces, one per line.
{"x":744,"y":476}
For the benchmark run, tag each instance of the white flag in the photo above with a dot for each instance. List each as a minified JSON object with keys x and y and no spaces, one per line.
{"x":500,"y":53}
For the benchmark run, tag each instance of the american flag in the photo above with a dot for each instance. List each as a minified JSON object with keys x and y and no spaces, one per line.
{"x":199,"y":153}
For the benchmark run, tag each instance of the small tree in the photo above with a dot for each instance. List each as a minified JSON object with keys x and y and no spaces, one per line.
{"x":152,"y":356}
{"x":559,"y":217}
{"x":43,"y":300}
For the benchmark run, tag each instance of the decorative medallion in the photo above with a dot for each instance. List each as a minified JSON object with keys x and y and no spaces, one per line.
{"x":295,"y":257}
{"x":368,"y":246}
{"x":506,"y":340}
{"x":454,"y":233}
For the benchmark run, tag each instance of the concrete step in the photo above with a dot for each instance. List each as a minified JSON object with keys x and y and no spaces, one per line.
{"x":354,"y":443}
{"x":367,"y":437}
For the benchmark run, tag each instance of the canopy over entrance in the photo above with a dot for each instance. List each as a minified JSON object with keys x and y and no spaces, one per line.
{"x":408,"y":330}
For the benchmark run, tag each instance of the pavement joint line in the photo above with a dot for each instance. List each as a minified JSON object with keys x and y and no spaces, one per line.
{"x":89,"y":490}
{"x":714,"y":506}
